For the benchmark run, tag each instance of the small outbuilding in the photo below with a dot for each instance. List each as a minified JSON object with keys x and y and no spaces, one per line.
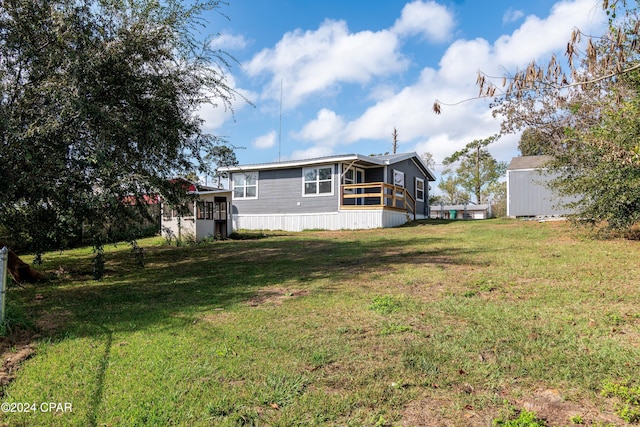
{"x":528,"y":191}
{"x":206,"y":216}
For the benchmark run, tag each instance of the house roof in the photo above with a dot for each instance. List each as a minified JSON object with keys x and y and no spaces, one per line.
{"x":360,"y":159}
{"x":529,"y":162}
{"x":197,"y":188}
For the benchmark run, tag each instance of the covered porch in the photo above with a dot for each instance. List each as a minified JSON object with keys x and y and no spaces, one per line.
{"x":377,"y":196}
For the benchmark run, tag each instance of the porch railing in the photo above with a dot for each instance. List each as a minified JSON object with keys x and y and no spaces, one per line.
{"x":377,"y":195}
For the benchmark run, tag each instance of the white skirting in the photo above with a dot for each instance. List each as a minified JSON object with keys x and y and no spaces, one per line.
{"x":343,"y":220}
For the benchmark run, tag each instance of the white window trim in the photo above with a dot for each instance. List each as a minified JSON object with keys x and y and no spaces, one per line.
{"x":304,"y":170}
{"x":233,"y":186}
{"x":423,"y":190}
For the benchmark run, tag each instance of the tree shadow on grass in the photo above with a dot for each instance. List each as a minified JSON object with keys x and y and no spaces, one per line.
{"x":177,"y":284}
{"x":97,"y":395}
{"x":220,"y":275}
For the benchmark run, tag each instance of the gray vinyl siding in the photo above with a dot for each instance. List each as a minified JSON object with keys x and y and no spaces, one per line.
{"x":529,"y":195}
{"x":411,"y":171}
{"x":280,"y":192}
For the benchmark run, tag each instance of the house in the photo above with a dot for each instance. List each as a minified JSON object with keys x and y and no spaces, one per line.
{"x":351,"y":191}
{"x":207,"y":215}
{"x":468,"y":211}
{"x":528,"y":191}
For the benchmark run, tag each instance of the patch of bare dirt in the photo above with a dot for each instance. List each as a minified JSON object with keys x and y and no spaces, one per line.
{"x":430,"y":412}
{"x":275,"y":296}
{"x":20,"y":345}
{"x":52,"y":321}
{"x":548,"y":405}
{"x":15,"y":349}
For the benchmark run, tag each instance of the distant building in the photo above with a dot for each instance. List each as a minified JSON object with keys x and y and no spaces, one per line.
{"x":528,"y":191}
{"x":468,"y":211}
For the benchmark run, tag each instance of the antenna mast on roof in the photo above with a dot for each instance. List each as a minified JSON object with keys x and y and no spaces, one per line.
{"x":280,"y":131}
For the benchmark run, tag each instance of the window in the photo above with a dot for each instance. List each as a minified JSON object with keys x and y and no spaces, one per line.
{"x":398,"y":181}
{"x":208,"y":210}
{"x":204,"y":210}
{"x":183,"y":211}
{"x":398,"y":178}
{"x":318,"y":181}
{"x":419,"y":189}
{"x":245,"y":185}
{"x":200,"y":210}
{"x":221,"y":209}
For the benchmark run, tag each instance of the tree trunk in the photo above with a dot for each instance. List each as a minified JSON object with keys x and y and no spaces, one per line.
{"x":22,"y":272}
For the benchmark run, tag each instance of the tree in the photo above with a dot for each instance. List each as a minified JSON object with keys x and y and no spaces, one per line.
{"x":498,"y":199}
{"x":533,"y":142}
{"x":428,"y":160}
{"x":588,"y":111}
{"x":98,"y":110}
{"x":221,"y":155}
{"x":451,"y":192}
{"x":477,"y":171}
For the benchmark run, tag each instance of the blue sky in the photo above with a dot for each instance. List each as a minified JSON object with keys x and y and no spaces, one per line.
{"x":352,"y":71}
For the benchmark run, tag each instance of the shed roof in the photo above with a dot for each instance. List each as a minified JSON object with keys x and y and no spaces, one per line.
{"x":529,"y":162}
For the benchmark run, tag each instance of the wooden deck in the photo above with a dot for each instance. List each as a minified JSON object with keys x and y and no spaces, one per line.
{"x":377,"y":195}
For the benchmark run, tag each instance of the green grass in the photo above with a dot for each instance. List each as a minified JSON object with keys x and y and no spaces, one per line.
{"x":333,"y":328}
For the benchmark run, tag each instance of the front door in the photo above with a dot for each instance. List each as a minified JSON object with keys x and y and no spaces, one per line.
{"x":353,"y":175}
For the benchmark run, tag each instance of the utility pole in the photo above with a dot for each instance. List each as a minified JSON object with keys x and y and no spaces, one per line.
{"x":395,"y":140}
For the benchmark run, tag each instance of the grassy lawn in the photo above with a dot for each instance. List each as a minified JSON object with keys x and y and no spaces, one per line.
{"x":438,"y":323}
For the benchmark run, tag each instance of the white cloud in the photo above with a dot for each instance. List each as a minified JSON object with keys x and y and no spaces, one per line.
{"x":430,"y":19}
{"x":512,"y":15}
{"x":216,"y":114}
{"x":314,"y":62}
{"x":409,"y":109}
{"x":228,"y":42}
{"x":460,"y":63}
{"x":537,"y":38}
{"x":265,"y":141}
{"x":311,"y":153}
{"x":326,"y":127}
